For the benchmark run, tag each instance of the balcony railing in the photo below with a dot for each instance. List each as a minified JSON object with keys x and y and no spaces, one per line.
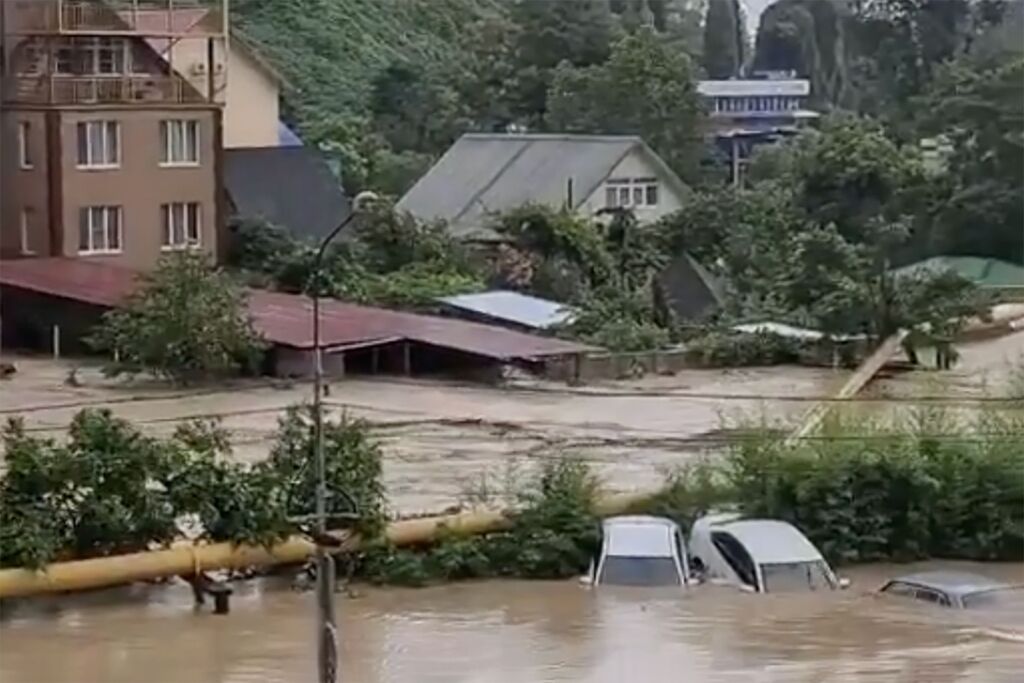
{"x":79,"y":90}
{"x":115,"y":17}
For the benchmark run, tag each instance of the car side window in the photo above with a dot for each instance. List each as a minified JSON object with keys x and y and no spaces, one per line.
{"x":736,"y":555}
{"x":900,"y":588}
{"x":932,"y":596}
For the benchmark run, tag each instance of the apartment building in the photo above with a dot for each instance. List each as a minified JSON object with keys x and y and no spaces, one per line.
{"x":108,"y":153}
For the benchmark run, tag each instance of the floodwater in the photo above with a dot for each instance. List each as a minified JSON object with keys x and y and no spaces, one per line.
{"x":516,"y":631}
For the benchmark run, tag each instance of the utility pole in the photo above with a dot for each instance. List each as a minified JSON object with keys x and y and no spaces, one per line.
{"x":327,"y":641}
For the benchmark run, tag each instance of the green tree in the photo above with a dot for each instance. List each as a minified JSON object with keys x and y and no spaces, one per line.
{"x":979,"y":108}
{"x":645,"y":88}
{"x":578,"y":32}
{"x":188,"y":320}
{"x":724,"y":39}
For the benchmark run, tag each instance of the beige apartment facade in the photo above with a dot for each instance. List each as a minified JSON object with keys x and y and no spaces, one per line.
{"x":106,"y":155}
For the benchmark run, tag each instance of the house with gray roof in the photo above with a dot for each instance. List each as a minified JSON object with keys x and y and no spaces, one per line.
{"x":483,"y":173}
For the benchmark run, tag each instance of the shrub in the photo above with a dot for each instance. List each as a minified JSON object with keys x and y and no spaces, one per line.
{"x":111,"y":489}
{"x":187,"y":321}
{"x":733,"y":349}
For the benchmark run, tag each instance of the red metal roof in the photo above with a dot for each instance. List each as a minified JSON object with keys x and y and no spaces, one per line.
{"x":287,"y":318}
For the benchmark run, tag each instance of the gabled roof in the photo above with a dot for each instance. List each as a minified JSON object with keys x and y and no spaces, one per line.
{"x":289,"y":186}
{"x":984,"y":272}
{"x":483,"y":173}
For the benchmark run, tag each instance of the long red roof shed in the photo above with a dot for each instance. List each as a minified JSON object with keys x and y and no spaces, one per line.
{"x":286,"y":319}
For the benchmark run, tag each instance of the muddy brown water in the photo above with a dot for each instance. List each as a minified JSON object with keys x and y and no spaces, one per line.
{"x":517,"y":631}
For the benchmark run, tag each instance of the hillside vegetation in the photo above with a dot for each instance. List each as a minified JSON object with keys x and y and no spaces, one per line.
{"x":330,"y":50}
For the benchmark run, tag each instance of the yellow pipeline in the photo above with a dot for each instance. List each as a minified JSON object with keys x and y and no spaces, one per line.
{"x":187,"y":560}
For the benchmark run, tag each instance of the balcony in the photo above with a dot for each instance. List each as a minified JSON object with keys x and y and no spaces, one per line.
{"x":161,"y":18}
{"x":86,"y":90}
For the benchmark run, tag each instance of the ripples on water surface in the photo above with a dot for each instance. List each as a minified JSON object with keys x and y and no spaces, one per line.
{"x":510,"y":631}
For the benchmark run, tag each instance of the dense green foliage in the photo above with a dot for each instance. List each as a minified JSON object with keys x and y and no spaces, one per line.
{"x":553,"y":534}
{"x":386,"y":86}
{"x":387,"y":259}
{"x":645,"y":88}
{"x":936,"y":488}
{"x":188,"y":320}
{"x":111,"y":489}
{"x":725,"y":42}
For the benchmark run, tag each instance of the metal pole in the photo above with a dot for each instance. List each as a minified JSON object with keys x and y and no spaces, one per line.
{"x":327,"y":643}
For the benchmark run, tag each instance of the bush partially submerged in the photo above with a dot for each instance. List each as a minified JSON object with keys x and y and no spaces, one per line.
{"x":188,"y":320}
{"x":866,"y":492}
{"x":110,"y":489}
{"x":554,"y":534}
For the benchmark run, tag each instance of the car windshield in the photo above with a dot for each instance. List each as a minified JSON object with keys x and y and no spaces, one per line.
{"x":994,"y":598}
{"x":639,"y":571}
{"x":796,"y":576}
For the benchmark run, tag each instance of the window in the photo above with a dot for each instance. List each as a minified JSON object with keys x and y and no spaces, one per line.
{"x":631,"y":192}
{"x":64,"y":60}
{"x":179,"y":143}
{"x":640,"y":571}
{"x":30,"y":60}
{"x":181,"y":225}
{"x":899,"y":588}
{"x":26,"y":231}
{"x":99,"y":230}
{"x":737,"y":556}
{"x":107,"y":56}
{"x":99,"y":144}
{"x":795,"y":576}
{"x":24,"y":144}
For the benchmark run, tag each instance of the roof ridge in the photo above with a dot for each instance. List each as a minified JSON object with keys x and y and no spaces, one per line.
{"x":552,"y":136}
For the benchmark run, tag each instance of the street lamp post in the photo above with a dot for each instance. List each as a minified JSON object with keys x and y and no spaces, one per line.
{"x":327,"y":642}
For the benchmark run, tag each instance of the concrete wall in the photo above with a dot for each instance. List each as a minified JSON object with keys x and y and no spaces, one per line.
{"x":250,"y":94}
{"x":24,"y":188}
{"x":638,"y":165}
{"x":605,"y":366}
{"x":139,"y":185}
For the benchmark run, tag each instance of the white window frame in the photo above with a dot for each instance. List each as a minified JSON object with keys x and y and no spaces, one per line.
{"x":181,"y":226}
{"x":25,"y":146}
{"x":111,"y":222}
{"x":631,"y":193}
{"x":107,"y":129}
{"x":25,"y":231}
{"x":189,"y":132}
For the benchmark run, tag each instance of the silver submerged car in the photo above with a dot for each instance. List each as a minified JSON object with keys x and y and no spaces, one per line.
{"x":960,"y":590}
{"x":759,"y":555}
{"x":639,"y":550}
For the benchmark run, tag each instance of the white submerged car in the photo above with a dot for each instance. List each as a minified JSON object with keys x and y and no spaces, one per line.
{"x":759,"y":555}
{"x":639,"y":550}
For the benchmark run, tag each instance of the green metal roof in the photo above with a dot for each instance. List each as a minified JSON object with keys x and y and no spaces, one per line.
{"x":984,"y":272}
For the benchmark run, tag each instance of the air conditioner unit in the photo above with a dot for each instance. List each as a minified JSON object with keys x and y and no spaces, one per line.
{"x":198,"y":69}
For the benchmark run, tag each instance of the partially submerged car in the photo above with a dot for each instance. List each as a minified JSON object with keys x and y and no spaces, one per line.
{"x":759,"y":555}
{"x":961,"y":590}
{"x":640,"y":550}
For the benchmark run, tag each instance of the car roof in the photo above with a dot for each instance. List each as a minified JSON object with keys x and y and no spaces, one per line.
{"x":639,"y":536}
{"x":952,"y":582}
{"x":771,"y":541}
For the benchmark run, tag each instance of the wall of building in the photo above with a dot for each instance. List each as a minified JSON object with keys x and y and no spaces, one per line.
{"x":139,"y":185}
{"x":24,"y":188}
{"x":638,"y":165}
{"x":250,"y":95}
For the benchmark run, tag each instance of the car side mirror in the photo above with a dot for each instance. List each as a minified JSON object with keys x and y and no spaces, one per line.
{"x":844,"y":583}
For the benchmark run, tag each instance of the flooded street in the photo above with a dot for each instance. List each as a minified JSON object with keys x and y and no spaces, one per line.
{"x":441,"y":439}
{"x":517,"y":631}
